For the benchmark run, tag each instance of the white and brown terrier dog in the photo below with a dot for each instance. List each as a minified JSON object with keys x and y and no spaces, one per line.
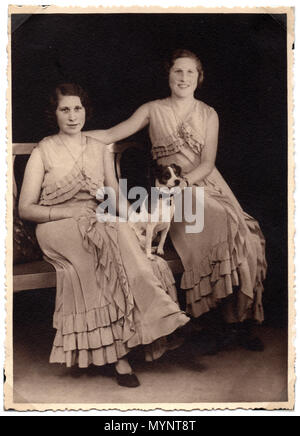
{"x":157,"y":209}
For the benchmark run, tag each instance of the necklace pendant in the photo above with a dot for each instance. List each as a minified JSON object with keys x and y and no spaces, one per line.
{"x":181,"y":130}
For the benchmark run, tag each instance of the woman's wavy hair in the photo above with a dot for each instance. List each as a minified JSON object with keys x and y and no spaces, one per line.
{"x":184,"y":53}
{"x":70,"y":89}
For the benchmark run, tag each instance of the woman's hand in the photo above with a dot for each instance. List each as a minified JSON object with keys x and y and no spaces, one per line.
{"x":183,"y":183}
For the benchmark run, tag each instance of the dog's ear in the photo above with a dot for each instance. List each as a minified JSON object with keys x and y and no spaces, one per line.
{"x":158,"y":171}
{"x":177,"y":169}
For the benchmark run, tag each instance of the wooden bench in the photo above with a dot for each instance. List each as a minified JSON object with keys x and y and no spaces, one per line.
{"x":40,"y":274}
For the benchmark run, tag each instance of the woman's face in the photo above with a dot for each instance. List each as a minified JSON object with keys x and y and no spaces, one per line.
{"x":183,"y":77}
{"x":70,"y":114}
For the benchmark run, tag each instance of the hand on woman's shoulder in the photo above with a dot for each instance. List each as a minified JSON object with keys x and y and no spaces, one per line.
{"x":92,"y":140}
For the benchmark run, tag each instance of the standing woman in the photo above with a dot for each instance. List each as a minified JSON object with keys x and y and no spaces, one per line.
{"x":110,"y":297}
{"x":226,"y":261}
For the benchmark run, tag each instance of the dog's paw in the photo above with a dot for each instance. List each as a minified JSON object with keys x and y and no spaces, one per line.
{"x":150,"y":256}
{"x":160,"y":251}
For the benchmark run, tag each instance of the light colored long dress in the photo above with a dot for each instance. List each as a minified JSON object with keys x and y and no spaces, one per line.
{"x":230,"y":251}
{"x":110,"y":297}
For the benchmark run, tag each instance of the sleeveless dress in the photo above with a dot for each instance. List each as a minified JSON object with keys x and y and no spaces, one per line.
{"x":226,"y":259}
{"x":110,"y":297}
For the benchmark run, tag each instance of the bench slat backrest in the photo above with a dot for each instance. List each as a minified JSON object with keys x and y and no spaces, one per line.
{"x":19,"y":148}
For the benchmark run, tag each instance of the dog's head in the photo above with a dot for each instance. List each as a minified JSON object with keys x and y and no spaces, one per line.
{"x":167,"y":176}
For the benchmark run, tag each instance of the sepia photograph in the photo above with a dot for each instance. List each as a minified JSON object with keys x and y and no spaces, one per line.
{"x":150,"y":211}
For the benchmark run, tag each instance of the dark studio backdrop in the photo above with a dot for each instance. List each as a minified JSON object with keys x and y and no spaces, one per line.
{"x":118,"y":59}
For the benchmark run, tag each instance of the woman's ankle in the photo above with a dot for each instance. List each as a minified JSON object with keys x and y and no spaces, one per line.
{"x":123,"y":367}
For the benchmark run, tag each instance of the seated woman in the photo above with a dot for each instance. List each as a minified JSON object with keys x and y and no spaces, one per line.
{"x":110,"y":298}
{"x":226,"y":261}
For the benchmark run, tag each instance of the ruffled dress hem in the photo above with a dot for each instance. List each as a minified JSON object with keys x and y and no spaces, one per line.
{"x":105,"y":343}
{"x":217,"y":276}
{"x":106,"y":334}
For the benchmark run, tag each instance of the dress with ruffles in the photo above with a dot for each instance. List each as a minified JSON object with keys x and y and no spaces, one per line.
{"x":227,"y":258}
{"x":110,"y":298}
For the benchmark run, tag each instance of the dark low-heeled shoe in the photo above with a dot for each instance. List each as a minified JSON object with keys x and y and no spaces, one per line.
{"x":252,"y":344}
{"x":127,"y":380}
{"x":174,"y":342}
{"x":227,"y":340}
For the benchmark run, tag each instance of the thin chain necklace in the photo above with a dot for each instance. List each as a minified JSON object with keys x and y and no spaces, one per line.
{"x":80,"y":167}
{"x":180,"y":122}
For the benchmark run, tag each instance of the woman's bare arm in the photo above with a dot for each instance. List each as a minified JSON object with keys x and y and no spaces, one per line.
{"x":136,"y":122}
{"x":29,"y":208}
{"x":209,"y":152}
